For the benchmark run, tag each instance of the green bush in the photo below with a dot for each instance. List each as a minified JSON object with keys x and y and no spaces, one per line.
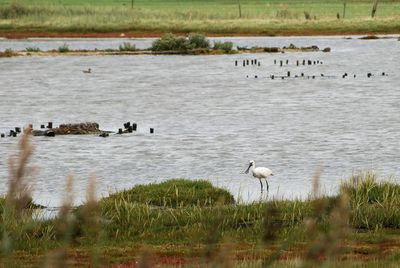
{"x":170,"y":42}
{"x":127,"y":47}
{"x":198,"y":41}
{"x":63,"y":48}
{"x":225,"y":46}
{"x":176,"y":192}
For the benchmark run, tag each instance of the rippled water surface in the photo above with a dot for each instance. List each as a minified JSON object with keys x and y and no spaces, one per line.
{"x":209,"y":118}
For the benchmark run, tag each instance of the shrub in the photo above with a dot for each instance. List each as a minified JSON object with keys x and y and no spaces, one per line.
{"x":198,"y":41}
{"x":63,"y":48}
{"x":176,"y":192}
{"x":225,"y":46}
{"x":127,"y":47}
{"x":170,"y":42}
{"x":32,"y":49}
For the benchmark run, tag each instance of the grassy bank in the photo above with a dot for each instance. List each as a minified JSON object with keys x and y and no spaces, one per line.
{"x":212,"y":17}
{"x":191,"y":223}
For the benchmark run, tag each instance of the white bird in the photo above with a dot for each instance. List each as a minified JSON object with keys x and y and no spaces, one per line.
{"x":259,"y":173}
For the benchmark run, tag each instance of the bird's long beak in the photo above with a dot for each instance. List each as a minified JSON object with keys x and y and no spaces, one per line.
{"x":247,"y":170}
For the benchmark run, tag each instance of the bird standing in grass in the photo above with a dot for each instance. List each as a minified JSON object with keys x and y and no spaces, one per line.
{"x":259,"y":173}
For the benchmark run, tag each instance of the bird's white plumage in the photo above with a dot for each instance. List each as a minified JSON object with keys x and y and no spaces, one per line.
{"x":261,"y":172}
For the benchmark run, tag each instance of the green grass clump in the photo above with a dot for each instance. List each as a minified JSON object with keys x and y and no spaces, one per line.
{"x":174,"y":193}
{"x":32,"y":49}
{"x":225,"y":46}
{"x":127,"y":47}
{"x":63,"y":48}
{"x":373,"y":203}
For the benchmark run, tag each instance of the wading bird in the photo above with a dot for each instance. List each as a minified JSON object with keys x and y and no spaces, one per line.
{"x":259,"y":173}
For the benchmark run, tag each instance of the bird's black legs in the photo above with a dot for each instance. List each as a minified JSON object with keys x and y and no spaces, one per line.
{"x":261,"y":186}
{"x":267,"y":185}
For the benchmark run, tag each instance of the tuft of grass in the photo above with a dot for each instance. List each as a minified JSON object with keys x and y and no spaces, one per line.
{"x":374,"y":204}
{"x":175,"y":193}
{"x":126,"y":46}
{"x":63,"y":48}
{"x":225,"y":46}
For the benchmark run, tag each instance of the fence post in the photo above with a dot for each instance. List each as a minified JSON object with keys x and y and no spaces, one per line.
{"x":374,"y":7}
{"x":240,"y":9}
{"x":344,"y":9}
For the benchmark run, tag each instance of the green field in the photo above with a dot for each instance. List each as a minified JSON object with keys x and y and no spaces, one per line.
{"x":212,"y":17}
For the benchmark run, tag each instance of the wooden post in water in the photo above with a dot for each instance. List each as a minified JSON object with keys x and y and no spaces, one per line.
{"x":374,"y":7}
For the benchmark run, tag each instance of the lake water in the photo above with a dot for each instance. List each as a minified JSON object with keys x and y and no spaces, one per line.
{"x":209,"y":118}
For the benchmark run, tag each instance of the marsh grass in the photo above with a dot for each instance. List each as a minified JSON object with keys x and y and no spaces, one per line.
{"x":225,"y":46}
{"x":126,"y":46}
{"x":197,"y":220}
{"x":63,"y":48}
{"x":374,"y":204}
